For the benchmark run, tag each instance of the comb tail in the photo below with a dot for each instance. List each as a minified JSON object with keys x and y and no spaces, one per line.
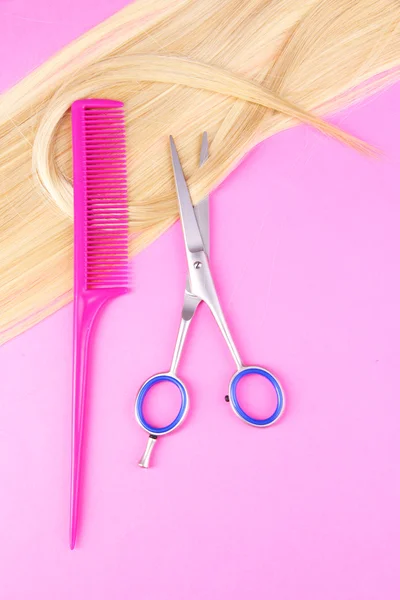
{"x":84,"y":316}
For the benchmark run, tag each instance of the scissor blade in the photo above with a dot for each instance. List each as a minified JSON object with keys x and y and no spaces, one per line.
{"x":204,"y":148}
{"x":191,"y":230}
{"x":202,"y":209}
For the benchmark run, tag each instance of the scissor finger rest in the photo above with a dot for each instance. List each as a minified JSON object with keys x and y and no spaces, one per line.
{"x":142,"y":395}
{"x":233,"y":396}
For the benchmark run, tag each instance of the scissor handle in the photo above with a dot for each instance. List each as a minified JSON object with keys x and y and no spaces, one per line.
{"x":142,"y":395}
{"x":238,"y":410}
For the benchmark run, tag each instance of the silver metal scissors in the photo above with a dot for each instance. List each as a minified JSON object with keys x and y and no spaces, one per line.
{"x":199,"y":288}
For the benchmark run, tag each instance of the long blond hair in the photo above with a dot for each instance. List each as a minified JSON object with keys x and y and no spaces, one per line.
{"x":242,"y":70}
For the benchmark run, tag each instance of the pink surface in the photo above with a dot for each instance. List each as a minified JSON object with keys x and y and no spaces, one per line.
{"x":306,"y":255}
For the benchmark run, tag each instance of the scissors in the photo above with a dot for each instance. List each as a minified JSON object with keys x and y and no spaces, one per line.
{"x":199,"y":288}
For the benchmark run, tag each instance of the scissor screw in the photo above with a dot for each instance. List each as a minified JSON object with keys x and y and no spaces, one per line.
{"x":226,"y":398}
{"x":197,"y":264}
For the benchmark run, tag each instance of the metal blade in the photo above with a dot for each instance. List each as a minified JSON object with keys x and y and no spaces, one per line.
{"x":202,"y":209}
{"x":191,"y":230}
{"x":190,"y":302}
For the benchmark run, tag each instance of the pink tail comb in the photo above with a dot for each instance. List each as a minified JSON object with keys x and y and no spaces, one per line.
{"x":100,"y":245}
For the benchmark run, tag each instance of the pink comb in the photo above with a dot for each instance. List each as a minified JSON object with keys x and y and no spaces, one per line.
{"x":100,"y":244}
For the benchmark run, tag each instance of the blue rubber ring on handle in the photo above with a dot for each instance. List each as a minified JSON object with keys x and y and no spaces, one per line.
{"x":142,"y":394}
{"x":280,"y":400}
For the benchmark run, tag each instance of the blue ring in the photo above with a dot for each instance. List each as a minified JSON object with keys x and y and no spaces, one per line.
{"x":142,"y":394}
{"x":239,"y":410}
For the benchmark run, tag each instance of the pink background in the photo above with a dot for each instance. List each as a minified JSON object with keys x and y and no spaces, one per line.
{"x":305,"y":245}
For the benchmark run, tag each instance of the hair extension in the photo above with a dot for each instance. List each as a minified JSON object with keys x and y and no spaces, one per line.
{"x":240,"y":70}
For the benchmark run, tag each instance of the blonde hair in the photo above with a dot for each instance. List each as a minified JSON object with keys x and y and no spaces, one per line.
{"x":242,"y":70}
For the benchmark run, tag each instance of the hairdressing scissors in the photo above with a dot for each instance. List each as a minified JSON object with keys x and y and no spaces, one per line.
{"x":199,"y":288}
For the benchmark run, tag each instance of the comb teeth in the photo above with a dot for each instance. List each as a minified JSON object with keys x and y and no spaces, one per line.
{"x":101,"y":191}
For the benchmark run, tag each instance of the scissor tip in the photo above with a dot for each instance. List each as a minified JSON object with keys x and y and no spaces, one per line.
{"x":204,"y":148}
{"x":172,"y":144}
